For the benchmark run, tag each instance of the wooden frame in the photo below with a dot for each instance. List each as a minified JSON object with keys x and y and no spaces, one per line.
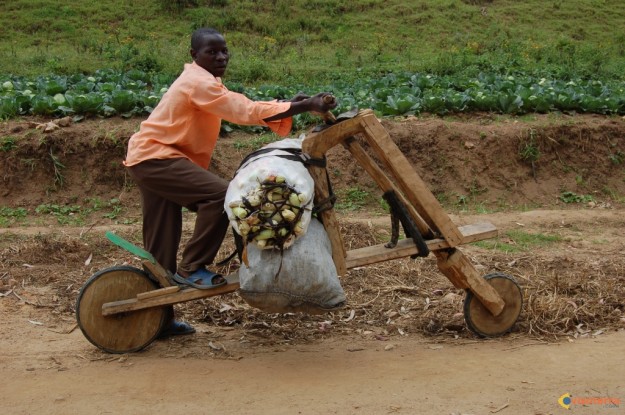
{"x":422,"y":205}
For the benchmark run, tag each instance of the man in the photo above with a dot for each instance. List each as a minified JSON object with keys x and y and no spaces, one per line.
{"x":169,"y":158}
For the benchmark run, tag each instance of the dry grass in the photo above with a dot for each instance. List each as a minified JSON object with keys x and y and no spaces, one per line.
{"x":563,"y":296}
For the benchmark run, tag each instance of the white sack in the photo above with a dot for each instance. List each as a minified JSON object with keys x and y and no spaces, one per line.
{"x":258,"y":169}
{"x":307,"y":280}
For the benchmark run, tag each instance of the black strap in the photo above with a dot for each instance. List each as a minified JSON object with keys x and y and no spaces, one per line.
{"x":230,"y":257}
{"x":410,"y":228}
{"x":325,"y":204}
{"x":296,"y":154}
{"x":328,"y":202}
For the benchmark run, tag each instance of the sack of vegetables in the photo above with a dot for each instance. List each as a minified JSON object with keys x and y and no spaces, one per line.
{"x":269,"y":200}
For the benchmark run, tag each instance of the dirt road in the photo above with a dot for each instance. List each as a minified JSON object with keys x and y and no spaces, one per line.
{"x":49,"y":373}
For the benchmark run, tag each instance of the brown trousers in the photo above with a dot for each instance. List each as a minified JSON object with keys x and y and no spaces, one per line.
{"x":168,"y":185}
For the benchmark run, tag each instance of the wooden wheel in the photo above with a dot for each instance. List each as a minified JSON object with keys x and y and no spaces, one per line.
{"x":124,"y":332}
{"x":481,"y":321}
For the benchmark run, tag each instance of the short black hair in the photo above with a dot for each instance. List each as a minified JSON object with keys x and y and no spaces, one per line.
{"x":198,"y":35}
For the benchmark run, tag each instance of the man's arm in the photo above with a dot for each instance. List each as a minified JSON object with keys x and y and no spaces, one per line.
{"x":299,"y":104}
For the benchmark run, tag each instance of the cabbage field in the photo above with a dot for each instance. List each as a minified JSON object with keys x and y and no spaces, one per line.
{"x":111,"y":93}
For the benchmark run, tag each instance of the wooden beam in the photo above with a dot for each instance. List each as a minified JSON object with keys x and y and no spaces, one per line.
{"x":384,"y":182}
{"x":406,"y":247}
{"x":317,"y":144}
{"x":157,"y":293}
{"x":328,"y":218}
{"x":160,"y":273}
{"x":409,"y":182}
{"x":459,"y":270}
{"x":187,"y":294}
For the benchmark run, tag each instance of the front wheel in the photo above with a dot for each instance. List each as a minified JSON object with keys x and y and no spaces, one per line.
{"x":481,"y":321}
{"x":124,"y":332}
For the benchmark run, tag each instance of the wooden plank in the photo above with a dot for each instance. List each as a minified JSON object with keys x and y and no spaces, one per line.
{"x":459,"y":270}
{"x":406,"y":247}
{"x":409,"y":182}
{"x":156,"y":293}
{"x":160,"y":273}
{"x":316,"y":144}
{"x":188,"y":294}
{"x":330,"y":223}
{"x":384,"y":182}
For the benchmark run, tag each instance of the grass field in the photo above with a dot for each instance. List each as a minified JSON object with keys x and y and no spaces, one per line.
{"x":281,"y":41}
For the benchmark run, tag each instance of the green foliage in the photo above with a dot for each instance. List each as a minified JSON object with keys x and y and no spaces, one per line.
{"x":9,"y":216}
{"x":510,"y":57}
{"x":113,"y":207}
{"x":353,"y":198}
{"x":177,"y":5}
{"x":617,"y":158}
{"x":56,"y":210}
{"x":137,"y":92}
{"x":571,"y":197}
{"x":123,"y":102}
{"x":116,"y":209}
{"x":518,"y":241}
{"x":9,"y":107}
{"x":7,"y":143}
{"x":257,"y":142}
{"x":283,"y":41}
{"x":529,"y":150}
{"x":19,"y":212}
{"x":64,"y":214}
{"x":67,"y":214}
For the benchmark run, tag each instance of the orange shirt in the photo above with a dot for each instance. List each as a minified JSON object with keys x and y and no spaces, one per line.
{"x":187,"y":120}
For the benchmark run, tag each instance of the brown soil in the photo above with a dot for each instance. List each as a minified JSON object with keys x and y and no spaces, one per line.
{"x":400,"y":345}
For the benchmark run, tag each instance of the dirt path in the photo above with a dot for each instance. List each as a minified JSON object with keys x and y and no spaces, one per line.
{"x":50,"y":373}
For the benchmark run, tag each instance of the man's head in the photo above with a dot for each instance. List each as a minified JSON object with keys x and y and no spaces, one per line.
{"x":209,"y":50}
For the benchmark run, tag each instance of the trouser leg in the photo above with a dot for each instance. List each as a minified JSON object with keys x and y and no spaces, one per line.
{"x":162,"y":228}
{"x":211,"y":225}
{"x":183,"y":183}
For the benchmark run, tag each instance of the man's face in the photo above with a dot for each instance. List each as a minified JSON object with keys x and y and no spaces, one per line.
{"x":212,"y":54}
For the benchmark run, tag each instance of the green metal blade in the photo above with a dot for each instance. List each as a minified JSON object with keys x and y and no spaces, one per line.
{"x":130,"y":247}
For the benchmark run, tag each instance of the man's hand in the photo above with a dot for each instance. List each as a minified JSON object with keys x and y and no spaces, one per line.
{"x":303,"y":103}
{"x":319,"y":103}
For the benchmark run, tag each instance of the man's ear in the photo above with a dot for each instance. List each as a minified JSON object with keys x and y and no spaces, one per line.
{"x":193,"y":53}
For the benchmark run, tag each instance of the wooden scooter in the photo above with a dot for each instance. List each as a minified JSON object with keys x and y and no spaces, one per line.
{"x":122,"y":309}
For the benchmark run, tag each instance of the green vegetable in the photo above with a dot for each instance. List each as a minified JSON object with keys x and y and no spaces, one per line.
{"x":59,"y":99}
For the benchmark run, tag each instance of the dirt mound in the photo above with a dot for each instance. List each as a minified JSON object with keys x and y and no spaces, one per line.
{"x":487,"y":160}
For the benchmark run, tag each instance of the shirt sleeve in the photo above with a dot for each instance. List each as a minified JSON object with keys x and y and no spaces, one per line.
{"x":217,"y":100}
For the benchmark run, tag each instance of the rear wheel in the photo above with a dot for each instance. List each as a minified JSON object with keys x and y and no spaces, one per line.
{"x":124,"y":332}
{"x":481,"y":321}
